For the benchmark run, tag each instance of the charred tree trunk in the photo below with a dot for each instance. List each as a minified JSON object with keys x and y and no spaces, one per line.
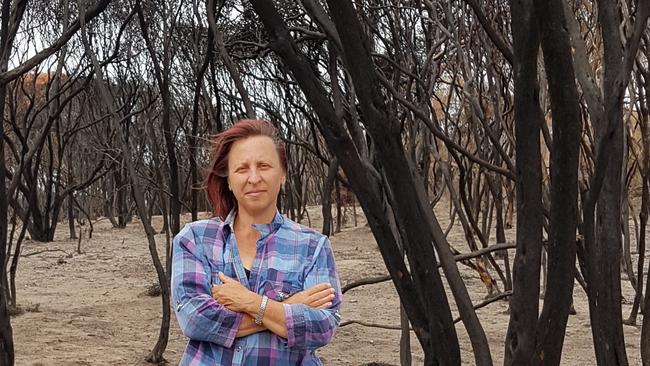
{"x":71,"y":202}
{"x":602,"y":213}
{"x":13,"y":269}
{"x":6,"y":45}
{"x":192,"y":140}
{"x":327,"y":196}
{"x":339,"y":204}
{"x":71,"y":216}
{"x":6,"y":332}
{"x":524,"y":304}
{"x":497,"y":192}
{"x":158,"y":192}
{"x":162,"y":78}
{"x":121,"y":195}
{"x":162,"y":75}
{"x":432,"y":327}
{"x":645,"y":330}
{"x":645,"y":198}
{"x":561,"y":248}
{"x":108,"y":201}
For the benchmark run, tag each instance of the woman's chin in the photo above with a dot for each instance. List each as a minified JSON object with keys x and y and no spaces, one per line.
{"x":257,"y":207}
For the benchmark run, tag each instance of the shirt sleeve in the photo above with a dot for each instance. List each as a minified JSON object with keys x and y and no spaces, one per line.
{"x":199,"y":316}
{"x":309,"y":328}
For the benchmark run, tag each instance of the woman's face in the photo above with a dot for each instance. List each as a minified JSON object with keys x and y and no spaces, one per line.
{"x":255,"y":175}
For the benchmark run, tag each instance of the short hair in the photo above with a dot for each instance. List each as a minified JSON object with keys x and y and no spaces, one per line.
{"x":216,"y":173}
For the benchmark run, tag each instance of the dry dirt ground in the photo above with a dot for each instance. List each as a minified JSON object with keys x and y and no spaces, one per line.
{"x":91,"y":307}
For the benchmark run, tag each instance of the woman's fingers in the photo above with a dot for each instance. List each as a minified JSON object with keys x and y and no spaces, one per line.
{"x":322,"y":297}
{"x":314,"y":296}
{"x":319,"y":296}
{"x":324,"y":303}
{"x":322,"y":294}
{"x":318,"y":288}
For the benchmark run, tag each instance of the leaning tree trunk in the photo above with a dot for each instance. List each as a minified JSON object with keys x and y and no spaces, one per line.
{"x":433,"y":327}
{"x":428,"y":311}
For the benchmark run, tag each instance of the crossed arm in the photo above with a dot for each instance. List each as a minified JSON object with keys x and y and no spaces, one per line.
{"x":235,"y":297}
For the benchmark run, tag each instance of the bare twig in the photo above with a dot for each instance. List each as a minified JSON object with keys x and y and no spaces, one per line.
{"x":487,"y":302}
{"x":45,"y":251}
{"x":457,"y":258}
{"x":456,"y":320}
{"x":371,"y":325}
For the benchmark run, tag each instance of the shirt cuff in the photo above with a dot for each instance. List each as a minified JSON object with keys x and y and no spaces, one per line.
{"x":294,"y":315}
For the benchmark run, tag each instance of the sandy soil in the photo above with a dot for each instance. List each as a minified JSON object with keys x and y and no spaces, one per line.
{"x":91,"y":307}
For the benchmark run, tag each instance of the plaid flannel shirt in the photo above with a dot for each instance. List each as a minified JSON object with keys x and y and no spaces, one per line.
{"x":290,"y":258}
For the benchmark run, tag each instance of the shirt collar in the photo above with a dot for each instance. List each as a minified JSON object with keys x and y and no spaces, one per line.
{"x":230,"y":219}
{"x":264,"y":229}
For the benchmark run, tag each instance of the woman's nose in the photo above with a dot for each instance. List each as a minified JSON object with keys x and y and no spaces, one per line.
{"x":254,"y":176}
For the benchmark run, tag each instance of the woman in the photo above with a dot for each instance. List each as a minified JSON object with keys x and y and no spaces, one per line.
{"x":252,"y":287}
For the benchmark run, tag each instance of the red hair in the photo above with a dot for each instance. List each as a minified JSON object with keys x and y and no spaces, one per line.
{"x":216,"y":177}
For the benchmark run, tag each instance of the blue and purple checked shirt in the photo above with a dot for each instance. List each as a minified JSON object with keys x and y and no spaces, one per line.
{"x":290,"y":258}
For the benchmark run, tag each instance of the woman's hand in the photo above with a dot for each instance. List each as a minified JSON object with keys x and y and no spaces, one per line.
{"x":234,"y":296}
{"x":318,"y":297}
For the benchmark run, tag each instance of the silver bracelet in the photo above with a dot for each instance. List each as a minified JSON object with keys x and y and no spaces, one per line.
{"x":260,"y":312}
